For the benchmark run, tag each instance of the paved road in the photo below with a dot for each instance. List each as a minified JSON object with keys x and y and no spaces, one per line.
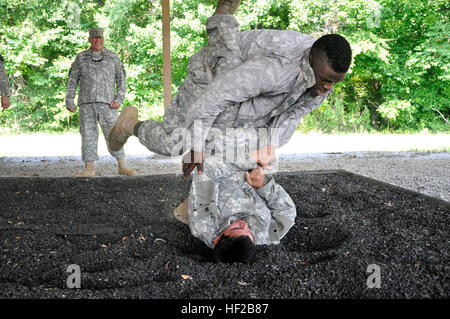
{"x":397,"y":159}
{"x":69,"y":144}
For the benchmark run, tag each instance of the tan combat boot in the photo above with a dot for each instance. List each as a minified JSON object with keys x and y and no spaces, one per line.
{"x":123,"y":169}
{"x":88,"y":170}
{"x":181,"y":212}
{"x":227,"y":6}
{"x":123,"y":128}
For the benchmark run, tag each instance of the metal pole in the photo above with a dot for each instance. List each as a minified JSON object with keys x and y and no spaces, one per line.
{"x":166,"y":52}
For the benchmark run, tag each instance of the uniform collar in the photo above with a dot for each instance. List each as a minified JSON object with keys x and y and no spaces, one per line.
{"x":306,"y":70}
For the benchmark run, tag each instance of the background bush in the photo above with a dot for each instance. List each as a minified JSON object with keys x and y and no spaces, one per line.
{"x":398,"y":81}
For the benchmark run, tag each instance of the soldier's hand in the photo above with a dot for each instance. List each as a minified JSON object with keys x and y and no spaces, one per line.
{"x":264,"y":156}
{"x":192,"y":160}
{"x":256,"y":177}
{"x":72,"y":109}
{"x":114,"y":105}
{"x":5,"y":102}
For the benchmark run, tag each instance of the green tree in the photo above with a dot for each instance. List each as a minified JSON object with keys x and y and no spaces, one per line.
{"x":399,"y":77}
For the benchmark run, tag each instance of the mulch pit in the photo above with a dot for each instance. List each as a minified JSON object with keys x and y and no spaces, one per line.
{"x":121,"y":233}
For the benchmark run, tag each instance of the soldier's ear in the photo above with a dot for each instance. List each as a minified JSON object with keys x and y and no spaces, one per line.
{"x":310,"y":58}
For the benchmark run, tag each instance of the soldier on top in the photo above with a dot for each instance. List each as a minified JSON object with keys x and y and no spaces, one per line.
{"x":102,"y":80}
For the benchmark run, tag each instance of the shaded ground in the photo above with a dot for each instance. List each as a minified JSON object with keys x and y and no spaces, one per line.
{"x":121,"y":233}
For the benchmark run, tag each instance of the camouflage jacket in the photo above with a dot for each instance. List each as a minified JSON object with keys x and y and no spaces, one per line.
{"x":221,"y":195}
{"x":4,"y":83}
{"x":269,"y":88}
{"x":98,"y":78}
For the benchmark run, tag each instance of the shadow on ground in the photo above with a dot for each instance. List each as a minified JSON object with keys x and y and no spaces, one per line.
{"x":121,"y":233}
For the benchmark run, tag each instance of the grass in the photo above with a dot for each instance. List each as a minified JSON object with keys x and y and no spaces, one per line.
{"x":444,"y":149}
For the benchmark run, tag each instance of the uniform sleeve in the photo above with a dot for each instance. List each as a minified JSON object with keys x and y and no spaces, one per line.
{"x":72,"y":83}
{"x":281,"y":207}
{"x":283,"y":126}
{"x":121,"y":82}
{"x":250,"y":79}
{"x":4,"y":83}
{"x":202,"y":208}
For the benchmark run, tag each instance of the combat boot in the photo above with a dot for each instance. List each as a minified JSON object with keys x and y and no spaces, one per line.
{"x":181,"y":212}
{"x":123,"y":169}
{"x":123,"y":128}
{"x":88,"y":170}
{"x":227,"y":6}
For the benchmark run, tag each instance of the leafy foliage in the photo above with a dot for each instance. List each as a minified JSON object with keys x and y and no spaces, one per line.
{"x":399,"y":78}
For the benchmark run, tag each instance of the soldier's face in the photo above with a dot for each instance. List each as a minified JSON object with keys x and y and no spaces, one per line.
{"x":326,"y":77}
{"x":237,"y":229}
{"x":97,"y":44}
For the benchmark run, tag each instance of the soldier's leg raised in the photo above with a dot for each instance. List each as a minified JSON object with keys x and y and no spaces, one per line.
{"x":107,"y":118}
{"x":89,"y":138}
{"x":166,"y":138}
{"x":227,"y":6}
{"x":123,"y":128}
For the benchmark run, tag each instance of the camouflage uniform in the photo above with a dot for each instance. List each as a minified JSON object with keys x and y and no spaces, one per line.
{"x":271,"y":91}
{"x":221,"y":196}
{"x":221,"y":54}
{"x":4,"y":83}
{"x":98,"y":74}
{"x":264,"y":86}
{"x":89,"y":114}
{"x":250,"y":80}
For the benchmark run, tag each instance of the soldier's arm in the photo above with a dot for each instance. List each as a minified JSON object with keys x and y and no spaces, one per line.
{"x":121,"y":83}
{"x":281,"y":207}
{"x":72,"y":83}
{"x":283,"y":126}
{"x":202,"y":209}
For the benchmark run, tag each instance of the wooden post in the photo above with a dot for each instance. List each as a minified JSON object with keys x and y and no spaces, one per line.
{"x":166,"y":52}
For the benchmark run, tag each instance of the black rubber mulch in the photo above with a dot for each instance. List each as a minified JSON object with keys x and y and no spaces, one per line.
{"x":121,"y":233}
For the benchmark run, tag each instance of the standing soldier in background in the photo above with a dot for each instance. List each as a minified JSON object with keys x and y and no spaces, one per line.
{"x":4,"y":85}
{"x":99,"y":71}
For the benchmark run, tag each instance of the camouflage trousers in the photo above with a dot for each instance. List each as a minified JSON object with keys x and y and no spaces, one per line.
{"x":90,"y":115}
{"x":221,"y":54}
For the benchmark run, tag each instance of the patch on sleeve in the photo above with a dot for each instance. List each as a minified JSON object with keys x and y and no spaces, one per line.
{"x":205,"y":195}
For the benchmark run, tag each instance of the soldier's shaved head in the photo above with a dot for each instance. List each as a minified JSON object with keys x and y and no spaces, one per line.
{"x":335,"y":49}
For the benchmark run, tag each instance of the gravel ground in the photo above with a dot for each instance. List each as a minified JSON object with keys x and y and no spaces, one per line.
{"x":121,"y":233}
{"x":424,"y":173}
{"x":135,"y":250}
{"x":386,"y":158}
